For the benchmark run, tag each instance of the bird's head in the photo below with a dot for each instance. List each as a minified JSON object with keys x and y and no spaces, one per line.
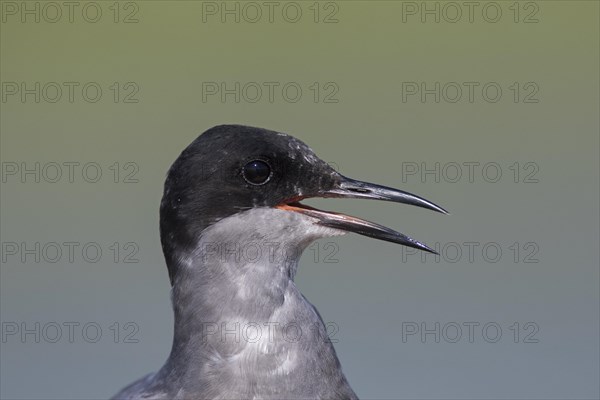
{"x":233,"y":169}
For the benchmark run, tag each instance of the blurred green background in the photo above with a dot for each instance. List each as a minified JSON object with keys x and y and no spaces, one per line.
{"x":367,"y":71}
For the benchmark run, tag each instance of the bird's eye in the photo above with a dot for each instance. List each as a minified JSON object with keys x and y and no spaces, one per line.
{"x":257,"y":172}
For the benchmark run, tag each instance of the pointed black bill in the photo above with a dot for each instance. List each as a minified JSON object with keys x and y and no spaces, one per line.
{"x":350,"y":188}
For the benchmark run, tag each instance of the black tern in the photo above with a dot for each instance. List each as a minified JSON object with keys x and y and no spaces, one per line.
{"x":232,"y":230}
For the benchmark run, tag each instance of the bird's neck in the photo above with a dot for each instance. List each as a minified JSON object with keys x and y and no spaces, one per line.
{"x":222,"y":298}
{"x":242,"y":327}
{"x":234,"y":297}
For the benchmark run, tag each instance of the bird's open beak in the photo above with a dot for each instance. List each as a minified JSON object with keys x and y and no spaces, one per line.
{"x":350,"y":188}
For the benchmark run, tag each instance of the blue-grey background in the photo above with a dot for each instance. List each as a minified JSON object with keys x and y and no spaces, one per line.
{"x":365,"y":57}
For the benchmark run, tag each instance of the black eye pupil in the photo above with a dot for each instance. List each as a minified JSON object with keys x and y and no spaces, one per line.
{"x":257,"y":172}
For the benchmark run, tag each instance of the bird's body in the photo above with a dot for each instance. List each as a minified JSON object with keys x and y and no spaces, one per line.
{"x":243,"y":330}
